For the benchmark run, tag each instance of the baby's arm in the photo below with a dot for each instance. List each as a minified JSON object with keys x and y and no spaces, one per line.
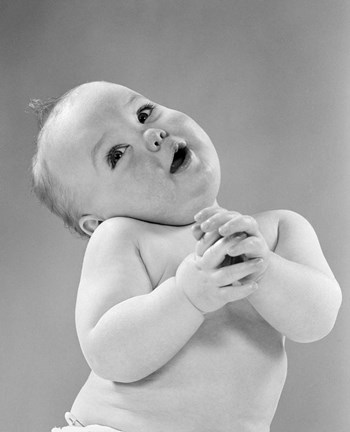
{"x":126,"y":329}
{"x":298,"y":294}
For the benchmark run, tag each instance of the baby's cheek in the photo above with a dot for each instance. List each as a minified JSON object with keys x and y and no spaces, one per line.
{"x":152,"y":186}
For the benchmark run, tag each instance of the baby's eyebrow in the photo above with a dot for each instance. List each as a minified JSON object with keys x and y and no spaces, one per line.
{"x":131,"y":99}
{"x":96,"y":148}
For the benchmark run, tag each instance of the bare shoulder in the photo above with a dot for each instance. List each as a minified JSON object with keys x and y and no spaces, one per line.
{"x":118,"y":238}
{"x":112,"y":271}
{"x":295,"y":238}
{"x":114,"y":245}
{"x":291,"y":230}
{"x":121,"y":228}
{"x":282,"y":229}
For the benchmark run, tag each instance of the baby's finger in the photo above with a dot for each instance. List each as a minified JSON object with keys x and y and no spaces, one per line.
{"x":237,"y":291}
{"x":197,"y":232}
{"x":240,"y":223}
{"x":214,"y":222}
{"x":206,"y":213}
{"x":214,"y":255}
{"x":251,"y":247}
{"x":207,"y":240}
{"x":233,"y":273}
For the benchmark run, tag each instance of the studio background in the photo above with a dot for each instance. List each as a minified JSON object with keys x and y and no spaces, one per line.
{"x":269,"y":82}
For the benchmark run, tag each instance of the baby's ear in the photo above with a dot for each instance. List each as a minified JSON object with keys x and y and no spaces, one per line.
{"x":89,"y":223}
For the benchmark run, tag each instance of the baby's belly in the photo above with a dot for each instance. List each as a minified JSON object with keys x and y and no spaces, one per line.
{"x":227,"y":378}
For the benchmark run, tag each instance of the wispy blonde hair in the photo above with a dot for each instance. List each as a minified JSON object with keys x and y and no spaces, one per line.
{"x":47,"y":187}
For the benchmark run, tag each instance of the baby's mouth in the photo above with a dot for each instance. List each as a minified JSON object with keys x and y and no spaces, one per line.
{"x":181,"y":158}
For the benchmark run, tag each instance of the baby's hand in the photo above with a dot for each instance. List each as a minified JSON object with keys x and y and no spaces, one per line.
{"x":214,"y":222}
{"x":210,"y":280}
{"x":208,"y":285}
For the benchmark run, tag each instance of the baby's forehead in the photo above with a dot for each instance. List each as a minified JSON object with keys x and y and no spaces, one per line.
{"x":103,"y":95}
{"x":91,"y":103}
{"x":81,"y":118}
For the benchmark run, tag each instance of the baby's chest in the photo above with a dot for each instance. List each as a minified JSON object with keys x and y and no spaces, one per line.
{"x":163,"y":250}
{"x":236,"y":325}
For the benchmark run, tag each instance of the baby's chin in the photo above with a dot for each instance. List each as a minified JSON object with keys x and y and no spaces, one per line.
{"x":181,"y":217}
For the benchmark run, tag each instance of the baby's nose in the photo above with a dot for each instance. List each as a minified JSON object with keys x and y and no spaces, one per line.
{"x":154,"y":138}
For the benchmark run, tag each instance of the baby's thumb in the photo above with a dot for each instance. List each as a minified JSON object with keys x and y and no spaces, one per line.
{"x":237,"y":292}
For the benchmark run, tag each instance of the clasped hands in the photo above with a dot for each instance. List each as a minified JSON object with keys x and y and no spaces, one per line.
{"x":230,"y":258}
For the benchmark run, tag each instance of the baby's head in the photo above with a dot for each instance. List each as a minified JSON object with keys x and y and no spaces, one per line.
{"x":105,"y":151}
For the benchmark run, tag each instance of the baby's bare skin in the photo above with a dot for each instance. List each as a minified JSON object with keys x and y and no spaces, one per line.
{"x":176,"y":341}
{"x":228,"y":377}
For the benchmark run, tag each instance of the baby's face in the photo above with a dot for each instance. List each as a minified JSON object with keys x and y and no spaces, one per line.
{"x":127,"y":156}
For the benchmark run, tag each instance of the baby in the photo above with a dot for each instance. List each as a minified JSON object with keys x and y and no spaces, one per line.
{"x":183,"y":307}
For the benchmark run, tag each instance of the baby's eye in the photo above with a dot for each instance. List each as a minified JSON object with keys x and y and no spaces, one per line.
{"x":114,"y":154}
{"x":144,"y":112}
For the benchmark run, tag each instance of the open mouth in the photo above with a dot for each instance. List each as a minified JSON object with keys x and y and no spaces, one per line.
{"x":181,"y":158}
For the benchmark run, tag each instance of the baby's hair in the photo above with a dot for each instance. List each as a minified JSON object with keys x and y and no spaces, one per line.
{"x":43,"y":108}
{"x":46,"y":186}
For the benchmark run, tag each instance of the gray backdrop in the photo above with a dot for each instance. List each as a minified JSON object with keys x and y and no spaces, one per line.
{"x":268,"y":80}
